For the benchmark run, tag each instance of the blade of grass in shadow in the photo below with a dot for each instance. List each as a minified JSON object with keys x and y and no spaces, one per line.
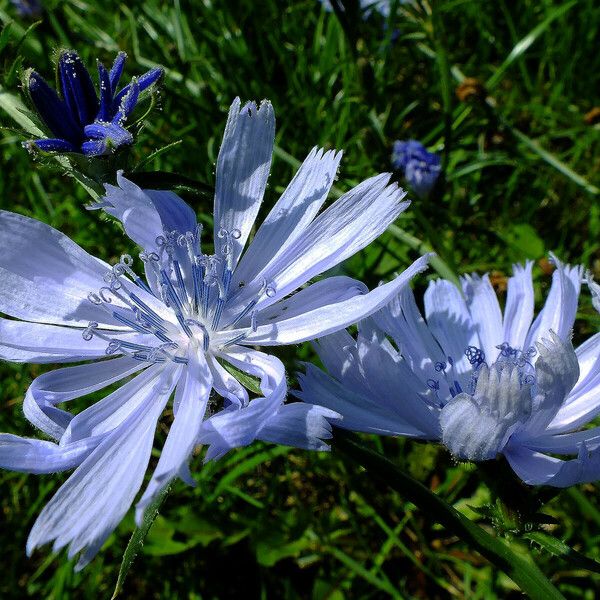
{"x":525,"y":574}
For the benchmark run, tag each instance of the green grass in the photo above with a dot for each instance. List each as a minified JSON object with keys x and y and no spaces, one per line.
{"x":521,"y":180}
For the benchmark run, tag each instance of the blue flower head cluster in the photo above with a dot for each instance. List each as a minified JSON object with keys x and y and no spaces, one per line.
{"x":421,"y":168}
{"x":78,"y":119}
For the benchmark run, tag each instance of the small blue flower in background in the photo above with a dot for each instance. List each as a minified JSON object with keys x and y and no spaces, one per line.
{"x":367,"y":7}
{"x":480,"y":382}
{"x":79,"y":120}
{"x":421,"y":168}
{"x":182,"y":328}
{"x":28,"y":8}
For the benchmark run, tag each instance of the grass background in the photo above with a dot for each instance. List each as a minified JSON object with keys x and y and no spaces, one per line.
{"x":521,"y":169}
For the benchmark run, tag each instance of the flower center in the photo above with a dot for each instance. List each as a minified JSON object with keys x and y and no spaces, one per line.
{"x":477,"y":425}
{"x":193,"y":289}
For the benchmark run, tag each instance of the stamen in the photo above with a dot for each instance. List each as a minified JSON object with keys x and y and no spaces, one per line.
{"x":235,"y":340}
{"x":203,"y":330}
{"x":475,"y":356}
{"x":241,"y":315}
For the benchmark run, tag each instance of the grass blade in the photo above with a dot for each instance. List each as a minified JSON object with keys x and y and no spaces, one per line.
{"x":137,"y":540}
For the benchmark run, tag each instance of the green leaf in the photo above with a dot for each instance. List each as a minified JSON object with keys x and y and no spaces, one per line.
{"x":249,"y":382}
{"x":524,"y":242}
{"x":559,"y":548}
{"x":524,"y":573}
{"x":14,"y":106}
{"x":271,"y":550}
{"x":137,"y":540}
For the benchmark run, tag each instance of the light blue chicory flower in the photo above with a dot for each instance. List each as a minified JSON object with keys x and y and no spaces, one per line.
{"x":176,"y":328}
{"x":79,"y":120}
{"x":480,"y":382}
{"x":420,"y":167}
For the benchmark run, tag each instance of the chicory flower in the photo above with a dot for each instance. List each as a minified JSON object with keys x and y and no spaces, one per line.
{"x":480,"y":382}
{"x":79,"y":120}
{"x":187,"y":326}
{"x":420,"y":167}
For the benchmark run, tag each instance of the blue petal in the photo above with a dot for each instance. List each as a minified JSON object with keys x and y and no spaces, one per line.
{"x":77,"y":87}
{"x":28,"y":455}
{"x":116,"y":71}
{"x":238,"y":427}
{"x":300,"y":425}
{"x":105,"y":138}
{"x":94,"y":148}
{"x":94,"y":499}
{"x":359,"y":413}
{"x":191,"y":400}
{"x":242,"y":172}
{"x":52,"y":109}
{"x":536,"y":468}
{"x":104,"y":114}
{"x":62,"y":385}
{"x":144,"y":82}
{"x":53,"y":145}
{"x":146,"y":214}
{"x":129,"y":101}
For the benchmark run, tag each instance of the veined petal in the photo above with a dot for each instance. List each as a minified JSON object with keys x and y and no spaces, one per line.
{"x":29,"y":455}
{"x":52,"y":109}
{"x":450,"y":322}
{"x":384,"y":375}
{"x":402,"y":320}
{"x":236,"y":427}
{"x":344,"y":228}
{"x":292,"y":214}
{"x":21,"y":341}
{"x":359,"y":412}
{"x":583,"y":403}
{"x":333,"y":352}
{"x":109,"y":413}
{"x":77,"y":87}
{"x":535,"y":468}
{"x":483,"y":306}
{"x":226,"y":385}
{"x":327,"y":319}
{"x":45,"y":277}
{"x":556,"y":372}
{"x":566,"y":443}
{"x":242,"y":171}
{"x":518,"y":313}
{"x":322,"y":293}
{"x":146,"y":214}
{"x":91,"y":503}
{"x":193,"y":393}
{"x":300,"y":425}
{"x":560,"y":308}
{"x":61,"y":385}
